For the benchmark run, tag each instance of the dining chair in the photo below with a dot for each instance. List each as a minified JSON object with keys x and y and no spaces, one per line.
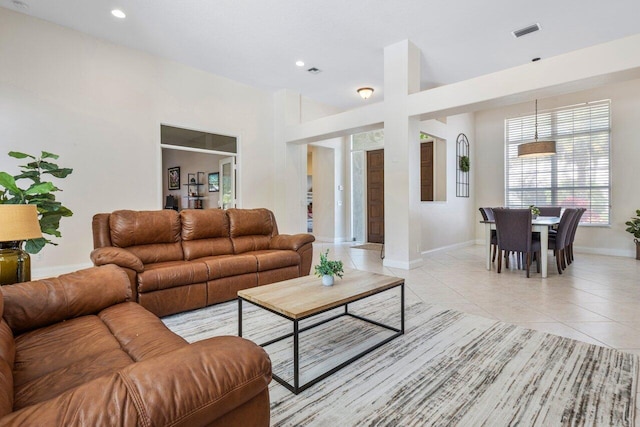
{"x":550,"y":210}
{"x":513,"y":228}
{"x":487,"y":215}
{"x":559,"y":241}
{"x":574,"y":228}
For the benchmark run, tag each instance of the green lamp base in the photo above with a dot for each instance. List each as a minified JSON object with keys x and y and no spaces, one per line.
{"x":15,"y":264}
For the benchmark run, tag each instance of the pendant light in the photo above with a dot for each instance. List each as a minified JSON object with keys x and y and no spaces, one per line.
{"x":537,"y":148}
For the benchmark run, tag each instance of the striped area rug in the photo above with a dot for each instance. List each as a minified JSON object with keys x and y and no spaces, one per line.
{"x":449,"y":369}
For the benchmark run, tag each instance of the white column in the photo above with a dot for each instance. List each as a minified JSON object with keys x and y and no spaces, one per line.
{"x":290,"y":161}
{"x":401,"y":158}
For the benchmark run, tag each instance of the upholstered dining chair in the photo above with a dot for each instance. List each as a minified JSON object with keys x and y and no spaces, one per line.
{"x":513,"y":228}
{"x":574,"y":228}
{"x":550,"y":210}
{"x":558,"y":242}
{"x":487,"y":215}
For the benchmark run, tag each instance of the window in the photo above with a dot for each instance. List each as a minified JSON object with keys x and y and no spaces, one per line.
{"x":577,"y":176}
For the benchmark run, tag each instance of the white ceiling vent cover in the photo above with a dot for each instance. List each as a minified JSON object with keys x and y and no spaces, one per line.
{"x":526,"y":30}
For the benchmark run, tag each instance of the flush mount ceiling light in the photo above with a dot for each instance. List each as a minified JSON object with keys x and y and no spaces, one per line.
{"x":300,"y":63}
{"x":118,"y":13}
{"x":537,"y":148}
{"x":365,"y":92}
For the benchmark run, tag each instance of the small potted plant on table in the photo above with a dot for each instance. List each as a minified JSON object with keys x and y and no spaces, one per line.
{"x":633,"y":227}
{"x":535,"y":211}
{"x":327,"y":269}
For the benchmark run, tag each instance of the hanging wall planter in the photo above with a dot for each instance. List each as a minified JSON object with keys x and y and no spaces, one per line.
{"x":463,"y":165}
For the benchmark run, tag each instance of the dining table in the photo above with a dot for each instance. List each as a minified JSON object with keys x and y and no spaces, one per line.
{"x":541,"y":225}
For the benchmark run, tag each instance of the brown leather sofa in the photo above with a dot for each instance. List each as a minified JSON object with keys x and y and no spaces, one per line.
{"x":188,"y":260}
{"x":73,"y":351}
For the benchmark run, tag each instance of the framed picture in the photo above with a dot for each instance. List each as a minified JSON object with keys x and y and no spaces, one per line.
{"x":214,"y":182}
{"x":174,"y":178}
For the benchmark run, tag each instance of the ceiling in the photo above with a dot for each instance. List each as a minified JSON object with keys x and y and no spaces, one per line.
{"x":257,"y":42}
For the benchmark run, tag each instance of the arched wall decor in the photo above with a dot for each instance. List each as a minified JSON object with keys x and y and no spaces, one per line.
{"x":462,"y":166}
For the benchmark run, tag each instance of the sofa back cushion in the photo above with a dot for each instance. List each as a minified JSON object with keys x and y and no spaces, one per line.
{"x":153,"y":236}
{"x":205,"y":233}
{"x":251,"y":229}
{"x":31,"y":305}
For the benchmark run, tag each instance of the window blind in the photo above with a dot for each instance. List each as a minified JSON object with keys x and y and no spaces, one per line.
{"x":577,"y":176}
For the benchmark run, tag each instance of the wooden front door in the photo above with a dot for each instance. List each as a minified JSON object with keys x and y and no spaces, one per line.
{"x":426,"y":171}
{"x":375,"y":196}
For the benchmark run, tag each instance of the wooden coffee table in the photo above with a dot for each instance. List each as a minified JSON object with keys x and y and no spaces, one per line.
{"x":304,"y":297}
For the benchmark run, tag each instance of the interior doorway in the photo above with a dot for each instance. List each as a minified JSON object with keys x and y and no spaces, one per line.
{"x":198,"y":169}
{"x":375,"y":196}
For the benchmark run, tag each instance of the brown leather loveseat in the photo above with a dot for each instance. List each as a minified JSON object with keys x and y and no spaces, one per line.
{"x":188,"y":260}
{"x":73,"y":351}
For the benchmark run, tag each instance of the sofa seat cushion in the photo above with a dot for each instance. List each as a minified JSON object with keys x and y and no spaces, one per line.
{"x":273,"y":259}
{"x":230,"y":265}
{"x":62,"y":356}
{"x":164,"y":275}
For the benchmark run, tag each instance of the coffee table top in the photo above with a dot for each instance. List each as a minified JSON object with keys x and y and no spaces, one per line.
{"x":305,"y":296}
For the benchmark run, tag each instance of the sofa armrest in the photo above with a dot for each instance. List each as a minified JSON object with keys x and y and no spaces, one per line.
{"x":192,"y":386}
{"x":292,"y":242}
{"x":118,"y":256}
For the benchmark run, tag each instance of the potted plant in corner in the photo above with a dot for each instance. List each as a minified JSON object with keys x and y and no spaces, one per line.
{"x":40,"y":193}
{"x":327,"y":269}
{"x":633,"y":227}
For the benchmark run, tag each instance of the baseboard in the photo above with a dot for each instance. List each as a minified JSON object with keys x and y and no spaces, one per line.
{"x":41,"y":273}
{"x":593,"y":251}
{"x":453,"y":247}
{"x":603,"y":251}
{"x":323,"y":239}
{"x":403,"y":265}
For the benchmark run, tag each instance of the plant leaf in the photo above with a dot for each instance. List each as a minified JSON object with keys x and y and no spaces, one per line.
{"x":34,"y":246}
{"x":47,"y":155}
{"x":8,"y":182}
{"x":43,"y":187}
{"x":60,"y":173}
{"x":48,"y":166}
{"x":19,"y":155}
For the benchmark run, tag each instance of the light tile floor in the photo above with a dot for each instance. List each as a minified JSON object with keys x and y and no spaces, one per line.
{"x":595,"y":300}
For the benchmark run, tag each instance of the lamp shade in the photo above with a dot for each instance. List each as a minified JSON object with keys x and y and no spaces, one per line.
{"x":19,"y":222}
{"x":537,"y":149}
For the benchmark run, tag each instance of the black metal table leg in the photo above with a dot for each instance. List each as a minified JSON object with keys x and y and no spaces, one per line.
{"x":296,"y":368}
{"x":239,"y":317}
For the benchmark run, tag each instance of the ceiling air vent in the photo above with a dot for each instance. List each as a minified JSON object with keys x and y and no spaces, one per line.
{"x":313,"y":70}
{"x":526,"y":30}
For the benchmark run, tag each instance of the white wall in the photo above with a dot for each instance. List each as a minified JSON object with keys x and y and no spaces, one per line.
{"x":625,"y":152}
{"x":451,"y":223}
{"x":100,"y":106}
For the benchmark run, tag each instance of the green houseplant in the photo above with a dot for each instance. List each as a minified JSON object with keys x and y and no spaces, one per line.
{"x":327,"y":269}
{"x":633,"y":227}
{"x":40,"y":193}
{"x":535,"y":211}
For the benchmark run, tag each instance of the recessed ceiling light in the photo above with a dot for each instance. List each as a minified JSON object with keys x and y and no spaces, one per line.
{"x":118,"y":13}
{"x":20,"y":5}
{"x":300,"y":63}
